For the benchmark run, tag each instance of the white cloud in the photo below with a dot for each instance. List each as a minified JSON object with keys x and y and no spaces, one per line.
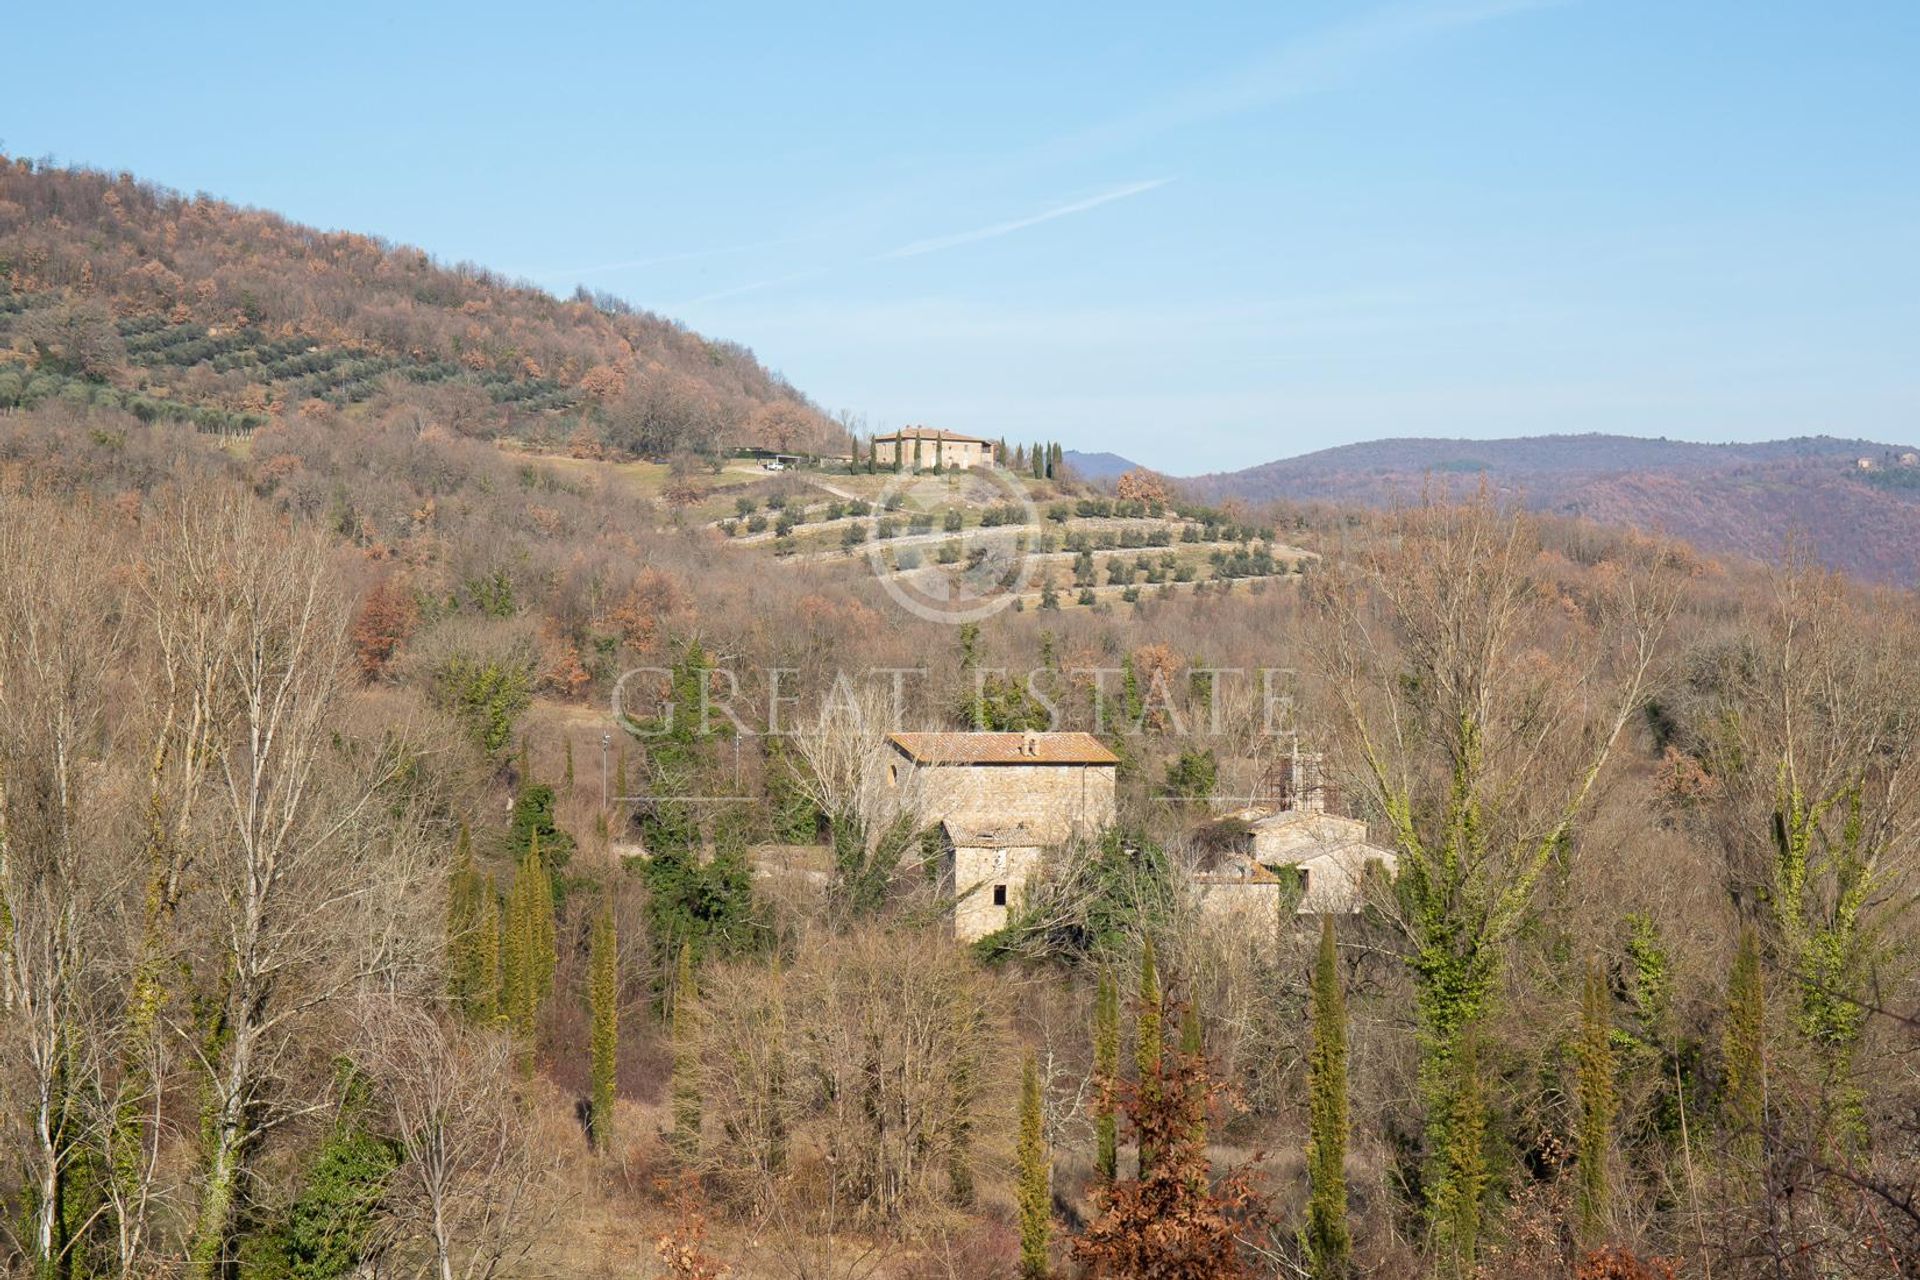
{"x":993,"y":230}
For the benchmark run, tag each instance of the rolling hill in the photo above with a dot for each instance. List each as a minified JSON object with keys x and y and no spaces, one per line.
{"x":1741,"y":499}
{"x":119,"y":293}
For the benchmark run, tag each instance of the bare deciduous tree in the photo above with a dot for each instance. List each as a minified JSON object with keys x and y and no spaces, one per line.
{"x":873,"y":805}
{"x":470,"y":1196}
{"x":1479,"y":705}
{"x":59,"y":651}
{"x":291,"y":848}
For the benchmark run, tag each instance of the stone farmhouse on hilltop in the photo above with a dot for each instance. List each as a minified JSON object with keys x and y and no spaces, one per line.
{"x":923,"y":448}
{"x":1000,"y":801}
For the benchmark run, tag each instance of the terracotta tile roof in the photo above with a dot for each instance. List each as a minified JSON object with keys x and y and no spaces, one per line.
{"x":928,"y":433}
{"x":985,"y":834}
{"x":1003,"y":748}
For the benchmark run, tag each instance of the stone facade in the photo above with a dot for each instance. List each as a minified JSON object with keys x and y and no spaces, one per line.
{"x":1001,"y":800}
{"x":988,"y":872}
{"x":1330,"y":853}
{"x":924,"y":449}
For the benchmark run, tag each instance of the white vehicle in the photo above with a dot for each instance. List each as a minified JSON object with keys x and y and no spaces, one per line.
{"x":773,"y":464}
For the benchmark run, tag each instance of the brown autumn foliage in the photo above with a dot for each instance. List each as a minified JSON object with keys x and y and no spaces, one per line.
{"x":1174,"y":1220}
{"x":1611,"y":1263}
{"x":682,"y":1249}
{"x":1141,"y":486}
{"x":387,"y":617}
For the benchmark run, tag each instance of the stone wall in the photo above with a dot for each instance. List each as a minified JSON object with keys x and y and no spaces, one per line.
{"x":976,"y":873}
{"x":962,"y":454}
{"x":1054,"y":801}
{"x":1251,"y":906}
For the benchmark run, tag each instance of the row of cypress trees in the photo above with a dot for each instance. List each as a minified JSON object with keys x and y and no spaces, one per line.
{"x":501,"y":961}
{"x":1325,"y":1236}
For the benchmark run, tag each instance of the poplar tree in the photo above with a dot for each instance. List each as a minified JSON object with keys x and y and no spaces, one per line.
{"x":567,"y":776}
{"x":1744,"y":1046}
{"x":685,"y":1029}
{"x":1597,"y":1104}
{"x":1106,"y":1066}
{"x":1329,"y":1245}
{"x":604,"y":995}
{"x":1035,"y":1190}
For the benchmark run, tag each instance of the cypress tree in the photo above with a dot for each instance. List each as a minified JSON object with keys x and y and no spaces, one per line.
{"x":486,"y":999}
{"x":567,"y":775}
{"x":1106,"y":1066}
{"x":1597,"y":1103}
{"x":542,"y":935}
{"x":513,"y":957}
{"x":1329,"y":1245}
{"x":1147,"y":1043}
{"x":1035,"y":1189}
{"x":529,"y":957}
{"x":463,"y":909}
{"x":776,"y":1081}
{"x":1133,"y":703}
{"x":1147,"y":1039}
{"x":963,"y":1083}
{"x":1744,"y":1045}
{"x":685,"y":1028}
{"x":524,"y":1015}
{"x":604,"y":995}
{"x":1193,"y":1048}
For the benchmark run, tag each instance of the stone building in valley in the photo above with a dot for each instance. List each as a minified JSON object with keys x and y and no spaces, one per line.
{"x":1294,"y":851}
{"x":1000,"y":802}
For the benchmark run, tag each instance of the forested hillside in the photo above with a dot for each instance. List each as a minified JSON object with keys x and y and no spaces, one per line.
{"x":420,"y":857}
{"x":118,"y":292}
{"x":1751,"y":500}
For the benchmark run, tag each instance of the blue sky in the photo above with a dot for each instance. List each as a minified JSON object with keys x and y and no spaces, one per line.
{"x":1201,"y":236}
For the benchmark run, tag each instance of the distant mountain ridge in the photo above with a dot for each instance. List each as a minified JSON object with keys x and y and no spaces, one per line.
{"x":1747,"y":499}
{"x":1098,"y":466}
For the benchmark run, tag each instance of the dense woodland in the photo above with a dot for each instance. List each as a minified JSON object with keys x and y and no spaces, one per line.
{"x":334,"y":942}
